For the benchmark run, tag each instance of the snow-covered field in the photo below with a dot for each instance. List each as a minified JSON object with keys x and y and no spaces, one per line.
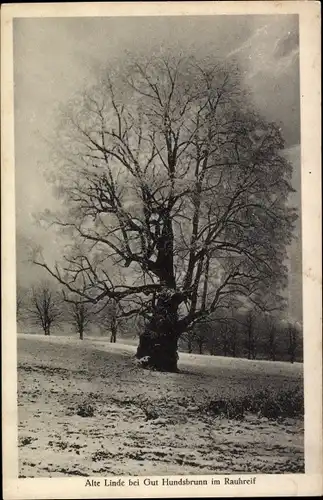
{"x":85,"y":408}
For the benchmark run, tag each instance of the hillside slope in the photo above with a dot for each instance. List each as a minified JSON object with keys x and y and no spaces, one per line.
{"x":85,"y":408}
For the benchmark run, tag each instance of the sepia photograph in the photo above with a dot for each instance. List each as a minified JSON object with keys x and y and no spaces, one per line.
{"x":159,"y":249}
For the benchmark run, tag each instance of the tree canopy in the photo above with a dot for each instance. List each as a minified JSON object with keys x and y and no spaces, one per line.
{"x":169,"y":174}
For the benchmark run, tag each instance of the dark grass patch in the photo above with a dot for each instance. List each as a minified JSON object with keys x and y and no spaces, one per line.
{"x":225,"y":408}
{"x":102,"y":455}
{"x":284,"y":404}
{"x":85,"y":410}
{"x":62,"y":445}
{"x":271,"y":405}
{"x":25,"y":441}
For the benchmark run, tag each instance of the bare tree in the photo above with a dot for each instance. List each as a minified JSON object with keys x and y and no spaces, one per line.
{"x":213,"y":342}
{"x":251,"y":334}
{"x":21,"y":297}
{"x":292,"y":332}
{"x":271,"y":325}
{"x":109,"y":319}
{"x":233,"y":340}
{"x":224,"y":333}
{"x":230,"y":329}
{"x":81,"y":316}
{"x":113,"y":326}
{"x":200,"y":334}
{"x":170,"y":174}
{"x":188,"y":338}
{"x":200,"y":337}
{"x":45,"y":307}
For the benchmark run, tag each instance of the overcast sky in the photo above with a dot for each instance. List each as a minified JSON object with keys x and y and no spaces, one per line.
{"x":56,"y":57}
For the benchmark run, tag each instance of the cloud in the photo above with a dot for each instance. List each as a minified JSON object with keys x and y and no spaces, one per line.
{"x":270,"y":60}
{"x":246,"y":46}
{"x":269,"y":48}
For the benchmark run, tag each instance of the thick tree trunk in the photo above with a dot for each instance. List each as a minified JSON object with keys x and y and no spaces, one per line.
{"x":158,"y":343}
{"x":81,"y":335}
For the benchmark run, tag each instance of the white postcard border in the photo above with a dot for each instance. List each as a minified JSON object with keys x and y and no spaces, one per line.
{"x":309,"y":483}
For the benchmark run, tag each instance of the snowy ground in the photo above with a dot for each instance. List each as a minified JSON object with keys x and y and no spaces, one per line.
{"x":143,"y":422}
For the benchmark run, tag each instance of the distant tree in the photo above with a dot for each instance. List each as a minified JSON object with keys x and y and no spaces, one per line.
{"x":271,"y":325}
{"x":213,"y":341}
{"x":251,"y":334}
{"x":224,"y":331}
{"x":108,"y":319}
{"x":81,"y":316}
{"x":233,"y":340}
{"x":203,"y":335}
{"x":169,"y":172}
{"x":201,"y":340}
{"x":188,"y":338}
{"x":45,"y":307}
{"x":232,"y":331}
{"x":113,"y":314}
{"x":21,"y":298}
{"x":292,"y":333}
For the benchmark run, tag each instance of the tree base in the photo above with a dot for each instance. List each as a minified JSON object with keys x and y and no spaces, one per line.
{"x":158,"y":343}
{"x":158,"y":352}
